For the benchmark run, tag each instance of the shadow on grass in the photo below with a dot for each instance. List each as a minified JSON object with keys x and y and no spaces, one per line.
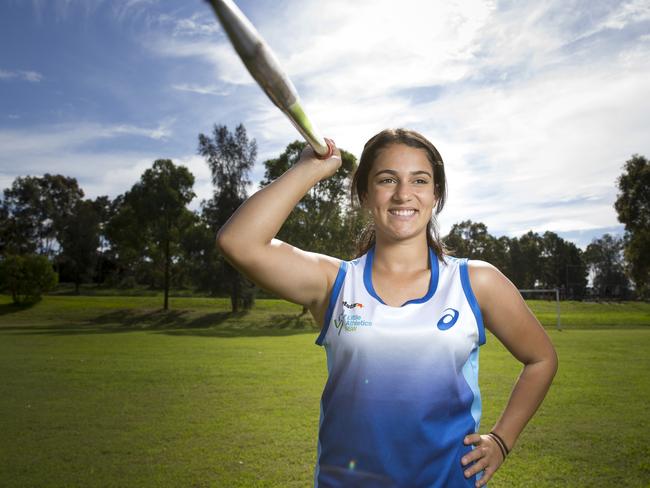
{"x":275,"y":325}
{"x":8,"y":308}
{"x":179,"y":323}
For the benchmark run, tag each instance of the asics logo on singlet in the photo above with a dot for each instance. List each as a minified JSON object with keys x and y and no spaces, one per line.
{"x":448,"y":320}
{"x":352,"y":305}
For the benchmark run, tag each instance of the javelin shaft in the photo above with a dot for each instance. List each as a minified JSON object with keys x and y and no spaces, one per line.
{"x":266,"y":70}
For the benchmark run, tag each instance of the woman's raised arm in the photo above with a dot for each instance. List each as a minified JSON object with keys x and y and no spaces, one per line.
{"x":248,"y":241}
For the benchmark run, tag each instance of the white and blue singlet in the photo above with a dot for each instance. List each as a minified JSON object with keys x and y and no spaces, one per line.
{"x":402,"y":389}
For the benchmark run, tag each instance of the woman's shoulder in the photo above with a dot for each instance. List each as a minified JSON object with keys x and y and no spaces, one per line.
{"x":481,"y":272}
{"x":488,"y":282}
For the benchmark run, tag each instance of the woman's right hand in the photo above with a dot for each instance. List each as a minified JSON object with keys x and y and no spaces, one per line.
{"x":327,"y":167}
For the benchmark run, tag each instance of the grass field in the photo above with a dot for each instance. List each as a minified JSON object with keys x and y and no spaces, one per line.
{"x":113,"y":392}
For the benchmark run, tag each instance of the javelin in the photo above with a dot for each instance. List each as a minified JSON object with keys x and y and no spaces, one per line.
{"x":266,"y":70}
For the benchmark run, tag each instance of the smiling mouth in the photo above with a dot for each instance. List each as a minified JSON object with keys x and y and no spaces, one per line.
{"x":403,"y":213}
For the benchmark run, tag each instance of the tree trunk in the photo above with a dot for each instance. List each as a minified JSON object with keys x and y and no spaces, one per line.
{"x":166,"y":282}
{"x":235,"y":293}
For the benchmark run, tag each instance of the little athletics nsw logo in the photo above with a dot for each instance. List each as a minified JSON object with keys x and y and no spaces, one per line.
{"x":350,"y":322}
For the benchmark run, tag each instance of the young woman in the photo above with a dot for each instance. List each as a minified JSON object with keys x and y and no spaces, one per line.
{"x":401,"y":324}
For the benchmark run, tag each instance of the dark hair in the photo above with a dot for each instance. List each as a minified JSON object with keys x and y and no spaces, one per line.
{"x":359,"y":187}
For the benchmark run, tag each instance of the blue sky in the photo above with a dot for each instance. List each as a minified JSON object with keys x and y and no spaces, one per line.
{"x":534,"y":106}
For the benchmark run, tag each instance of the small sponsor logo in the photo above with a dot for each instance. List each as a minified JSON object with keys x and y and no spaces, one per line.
{"x":448,"y":319}
{"x":352,"y":305}
{"x":350,"y":323}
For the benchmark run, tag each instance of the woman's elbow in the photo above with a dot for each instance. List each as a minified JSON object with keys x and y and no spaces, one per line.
{"x":555,"y":362}
{"x":223,"y":242}
{"x":547,"y":360}
{"x":551,"y":363}
{"x":238,"y":250}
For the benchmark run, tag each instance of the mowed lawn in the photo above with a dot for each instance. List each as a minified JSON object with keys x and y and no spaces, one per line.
{"x":111,"y":391}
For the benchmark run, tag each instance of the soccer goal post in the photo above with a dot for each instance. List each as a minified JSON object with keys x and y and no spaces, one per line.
{"x":553,"y":292}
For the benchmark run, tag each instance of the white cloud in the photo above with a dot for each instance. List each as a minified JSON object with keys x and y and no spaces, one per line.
{"x":196,"y":25}
{"x":201,"y":89}
{"x":128,"y":9}
{"x":109,"y":174}
{"x":559,"y":138}
{"x":159,"y":133}
{"x":21,"y":144}
{"x":24,"y":75}
{"x":366,"y":49}
{"x":227,"y":67}
{"x":532,"y":115}
{"x":533,"y":133}
{"x":97,"y":174}
{"x":534,"y":105}
{"x":629,"y":12}
{"x":61,"y":151}
{"x":32,"y":76}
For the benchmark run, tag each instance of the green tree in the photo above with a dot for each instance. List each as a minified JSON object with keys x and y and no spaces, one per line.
{"x":472,"y":240}
{"x":230,"y":157}
{"x":5,"y":233}
{"x":80,"y":241}
{"x":500,"y":254}
{"x":532,"y":261}
{"x":526,"y":258}
{"x":633,"y":208}
{"x":469,"y":239}
{"x":323,"y":221}
{"x":26,"y":277}
{"x":151,"y":218}
{"x":60,"y":197}
{"x":604,"y":256}
{"x":22,"y":214}
{"x":160,"y":201}
{"x":35,"y":210}
{"x":201,"y":259}
{"x":106,"y":268}
{"x":127,"y":245}
{"x":563,"y":266}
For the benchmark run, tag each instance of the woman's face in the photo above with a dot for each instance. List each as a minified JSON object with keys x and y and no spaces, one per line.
{"x":400,"y":192}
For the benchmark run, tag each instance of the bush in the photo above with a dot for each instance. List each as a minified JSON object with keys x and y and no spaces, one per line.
{"x":127,"y":283}
{"x":27,"y":277}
